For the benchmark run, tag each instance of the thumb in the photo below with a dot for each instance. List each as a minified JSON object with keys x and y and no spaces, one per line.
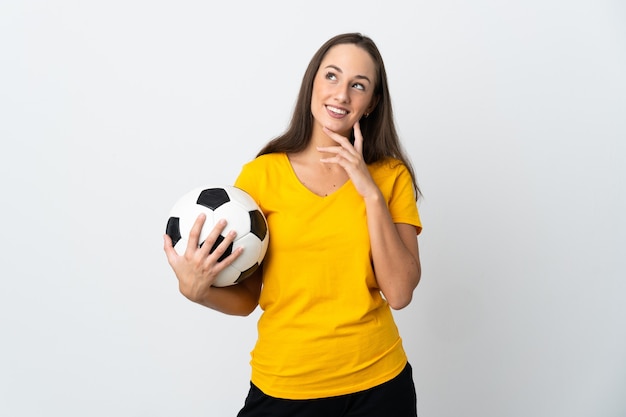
{"x":168,"y":247}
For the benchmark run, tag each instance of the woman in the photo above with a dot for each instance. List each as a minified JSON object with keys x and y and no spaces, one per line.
{"x":340,"y":200}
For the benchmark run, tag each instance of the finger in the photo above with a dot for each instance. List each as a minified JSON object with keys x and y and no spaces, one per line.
{"x":358,"y":138}
{"x":228,"y":260}
{"x":341,"y":140}
{"x":219,"y":250}
{"x":167,"y":242}
{"x":330,"y":149}
{"x":218,"y":246}
{"x":344,"y":145}
{"x":213,"y":238}
{"x":194,"y":234}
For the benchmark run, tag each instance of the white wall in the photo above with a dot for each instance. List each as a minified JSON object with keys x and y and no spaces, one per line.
{"x":513,"y":112}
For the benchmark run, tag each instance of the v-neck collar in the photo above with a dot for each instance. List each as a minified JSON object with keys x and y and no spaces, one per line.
{"x":306,"y":189}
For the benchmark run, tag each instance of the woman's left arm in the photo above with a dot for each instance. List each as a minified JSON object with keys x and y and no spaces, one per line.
{"x":395,"y":252}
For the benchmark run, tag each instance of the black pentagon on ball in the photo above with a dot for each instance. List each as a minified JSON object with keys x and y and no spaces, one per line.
{"x":245,"y":274}
{"x":258,"y":227}
{"x":173,"y":229}
{"x":227,"y":252}
{"x":212,"y":198}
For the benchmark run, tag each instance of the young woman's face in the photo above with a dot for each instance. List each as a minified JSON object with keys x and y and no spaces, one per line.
{"x":343,"y":88}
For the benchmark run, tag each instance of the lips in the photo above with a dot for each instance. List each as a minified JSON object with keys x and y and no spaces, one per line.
{"x":336,"y":111}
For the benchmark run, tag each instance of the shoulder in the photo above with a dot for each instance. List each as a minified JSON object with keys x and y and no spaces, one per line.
{"x":388,"y":166}
{"x":259,"y":175}
{"x":393,"y":177}
{"x":265,"y":160}
{"x":261,"y":168}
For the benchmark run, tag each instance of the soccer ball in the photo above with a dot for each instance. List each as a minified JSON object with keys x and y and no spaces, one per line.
{"x":241,"y":213}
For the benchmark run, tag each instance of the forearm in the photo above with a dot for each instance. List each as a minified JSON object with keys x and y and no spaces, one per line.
{"x":238,"y":300}
{"x":395,"y":253}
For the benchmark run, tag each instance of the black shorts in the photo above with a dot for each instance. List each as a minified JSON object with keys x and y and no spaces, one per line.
{"x":393,"y":398}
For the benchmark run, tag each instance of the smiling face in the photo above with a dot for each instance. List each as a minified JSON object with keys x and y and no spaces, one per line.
{"x":343,"y":88}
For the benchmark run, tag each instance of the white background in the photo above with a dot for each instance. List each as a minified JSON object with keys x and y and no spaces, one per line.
{"x":514,"y":114}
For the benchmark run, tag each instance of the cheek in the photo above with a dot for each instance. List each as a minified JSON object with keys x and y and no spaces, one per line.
{"x":316,"y":105}
{"x":314,"y":102}
{"x":366,"y":104}
{"x":319,"y":96}
{"x":318,"y":92}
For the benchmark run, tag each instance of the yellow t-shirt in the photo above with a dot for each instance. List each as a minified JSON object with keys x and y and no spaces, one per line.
{"x":325,"y":329}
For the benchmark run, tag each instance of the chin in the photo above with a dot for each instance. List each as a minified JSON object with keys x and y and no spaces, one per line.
{"x":340,"y":128}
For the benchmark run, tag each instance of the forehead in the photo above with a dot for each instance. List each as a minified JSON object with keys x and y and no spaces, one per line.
{"x":351,"y":59}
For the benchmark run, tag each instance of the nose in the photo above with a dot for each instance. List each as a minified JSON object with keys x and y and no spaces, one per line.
{"x":342,"y":93}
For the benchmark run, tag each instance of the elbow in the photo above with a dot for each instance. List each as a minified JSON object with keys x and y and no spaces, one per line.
{"x":240,"y":309}
{"x":245,"y":312}
{"x":402,"y":298}
{"x":400,"y":303}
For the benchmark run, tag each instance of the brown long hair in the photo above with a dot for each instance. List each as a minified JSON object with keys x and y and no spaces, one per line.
{"x":379,"y":127}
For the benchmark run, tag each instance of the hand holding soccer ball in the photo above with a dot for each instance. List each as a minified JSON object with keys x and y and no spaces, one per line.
{"x":218,"y":253}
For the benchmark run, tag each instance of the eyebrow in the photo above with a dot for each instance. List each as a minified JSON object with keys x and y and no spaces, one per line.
{"x":336,"y":68}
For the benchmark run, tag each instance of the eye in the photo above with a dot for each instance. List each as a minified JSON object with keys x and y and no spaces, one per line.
{"x":331,"y":76}
{"x":359,"y":86}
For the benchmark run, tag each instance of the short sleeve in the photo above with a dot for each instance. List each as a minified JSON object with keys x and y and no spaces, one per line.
{"x":402,"y":201}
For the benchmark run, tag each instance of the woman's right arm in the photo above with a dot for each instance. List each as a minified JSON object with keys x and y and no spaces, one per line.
{"x":197,"y":269}
{"x":238,"y":300}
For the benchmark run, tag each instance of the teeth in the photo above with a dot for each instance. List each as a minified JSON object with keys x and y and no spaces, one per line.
{"x":336,"y":110}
